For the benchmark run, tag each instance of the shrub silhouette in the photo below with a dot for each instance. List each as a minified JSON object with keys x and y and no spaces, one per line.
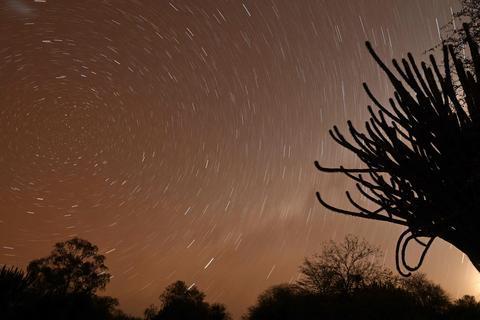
{"x":392,"y":301}
{"x":285,"y":301}
{"x":14,"y":291}
{"x":180,"y":302}
{"x":465,"y":308}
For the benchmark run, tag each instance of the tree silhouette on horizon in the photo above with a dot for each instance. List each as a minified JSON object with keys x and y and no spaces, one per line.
{"x":60,"y":286}
{"x":392,"y":298}
{"x":343,"y":268}
{"x":73,"y":266}
{"x":374,"y":293}
{"x":421,"y":156}
{"x":186,"y":303}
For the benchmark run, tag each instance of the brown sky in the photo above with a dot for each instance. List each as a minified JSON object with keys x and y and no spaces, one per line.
{"x":174,"y":133}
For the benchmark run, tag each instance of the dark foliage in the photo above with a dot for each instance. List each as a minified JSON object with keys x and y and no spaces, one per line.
{"x":426,"y":295}
{"x":69,"y":306}
{"x":421,"y":156}
{"x":343,"y":268}
{"x":388,"y":297}
{"x":60,"y":286}
{"x":15,"y":292}
{"x":465,"y":308}
{"x":412,"y":298}
{"x":73,"y":266}
{"x":287,"y":302}
{"x":180,"y":302}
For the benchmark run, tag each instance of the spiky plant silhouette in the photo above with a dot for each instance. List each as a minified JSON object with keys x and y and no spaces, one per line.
{"x":421,"y":155}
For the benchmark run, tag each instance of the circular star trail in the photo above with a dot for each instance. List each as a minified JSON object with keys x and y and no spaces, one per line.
{"x":180,"y":136}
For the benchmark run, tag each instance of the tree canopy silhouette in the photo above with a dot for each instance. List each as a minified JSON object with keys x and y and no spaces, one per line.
{"x":387,"y":297}
{"x":465,"y":308}
{"x":60,"y":286}
{"x":421,"y":156}
{"x":342,"y":268}
{"x":289,"y":302}
{"x":74,"y":266}
{"x":181,"y":302}
{"x":426,"y":295}
{"x":285,"y":301}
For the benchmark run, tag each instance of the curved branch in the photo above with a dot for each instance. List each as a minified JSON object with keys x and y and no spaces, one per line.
{"x":401,"y":251}
{"x":342,"y":169}
{"x":359,"y":214}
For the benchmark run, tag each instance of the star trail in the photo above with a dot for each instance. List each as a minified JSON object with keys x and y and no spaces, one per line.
{"x":180,"y":136}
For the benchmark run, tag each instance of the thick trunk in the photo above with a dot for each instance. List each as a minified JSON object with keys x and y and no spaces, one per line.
{"x":474,"y":257}
{"x":470,"y":246}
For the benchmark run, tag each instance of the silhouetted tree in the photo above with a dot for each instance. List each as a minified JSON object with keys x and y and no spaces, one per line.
{"x":465,"y":308}
{"x":428,"y":296}
{"x":180,"y":302}
{"x":375,"y":302}
{"x":381,"y":296}
{"x":72,"y":306}
{"x":344,"y":268}
{"x":74,"y":266}
{"x":120,"y":315}
{"x":151,"y":312}
{"x":287,"y":302}
{"x":421,"y":156}
{"x":218,"y":312}
{"x":378,"y":302}
{"x":60,"y":286}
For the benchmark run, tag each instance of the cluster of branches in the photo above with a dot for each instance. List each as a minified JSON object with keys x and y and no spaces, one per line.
{"x":347,"y":280}
{"x":344,"y":279}
{"x":342,"y":268}
{"x":421,"y":154}
{"x":469,"y":13}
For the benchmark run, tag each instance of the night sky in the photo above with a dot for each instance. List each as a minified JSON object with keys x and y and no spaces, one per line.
{"x":179,"y":136}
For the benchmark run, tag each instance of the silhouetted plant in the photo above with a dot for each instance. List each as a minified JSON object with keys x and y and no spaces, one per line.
{"x":60,"y":286}
{"x":74,"y":266}
{"x":427,"y":295}
{"x":181,"y":302}
{"x":14,"y":280}
{"x":346,"y":281}
{"x":422,"y":156}
{"x":72,"y":306}
{"x":344,"y":268}
{"x":218,"y":312}
{"x":14,"y":291}
{"x":465,"y":308}
{"x":285,"y":301}
{"x":375,"y":302}
{"x":151,"y":312}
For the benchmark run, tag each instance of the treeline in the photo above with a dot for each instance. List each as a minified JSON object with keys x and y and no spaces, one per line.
{"x":60,"y":286}
{"x":345,"y":281}
{"x":64,"y":285}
